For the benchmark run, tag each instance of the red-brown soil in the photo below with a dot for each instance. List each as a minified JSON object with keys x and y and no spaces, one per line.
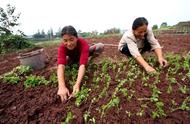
{"x":41,"y":105}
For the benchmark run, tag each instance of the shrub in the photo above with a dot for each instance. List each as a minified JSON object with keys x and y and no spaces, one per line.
{"x":13,"y":42}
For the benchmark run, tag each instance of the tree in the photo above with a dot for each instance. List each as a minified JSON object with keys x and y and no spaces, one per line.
{"x":50,"y":34}
{"x":39,"y":35}
{"x":8,"y":40}
{"x":112,"y":31}
{"x":43,"y":33}
{"x":8,"y":20}
{"x":163,"y":25}
{"x":154,"y":27}
{"x":58,"y":33}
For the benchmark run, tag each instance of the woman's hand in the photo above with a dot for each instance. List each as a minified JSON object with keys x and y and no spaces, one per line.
{"x":163,"y":62}
{"x":63,"y":92}
{"x":76,"y":88}
{"x":146,"y":66}
{"x":150,"y":69}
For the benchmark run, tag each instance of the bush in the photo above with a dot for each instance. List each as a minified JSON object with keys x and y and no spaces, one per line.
{"x":13,"y":42}
{"x":154,"y":27}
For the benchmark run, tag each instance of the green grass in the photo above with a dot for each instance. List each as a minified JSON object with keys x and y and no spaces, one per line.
{"x":48,"y":43}
{"x":57,"y":41}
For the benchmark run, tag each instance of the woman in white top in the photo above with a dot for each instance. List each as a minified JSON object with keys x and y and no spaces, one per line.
{"x":138,"y":40}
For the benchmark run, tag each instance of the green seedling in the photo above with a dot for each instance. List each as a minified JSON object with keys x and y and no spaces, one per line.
{"x":113,"y":102}
{"x":159,"y":110}
{"x":69,"y":117}
{"x":184,"y":89}
{"x":32,"y":81}
{"x":82,"y":96}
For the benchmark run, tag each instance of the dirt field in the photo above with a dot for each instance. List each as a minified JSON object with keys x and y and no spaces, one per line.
{"x":41,"y":105}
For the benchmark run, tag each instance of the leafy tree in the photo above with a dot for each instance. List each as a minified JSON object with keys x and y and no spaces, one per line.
{"x":43,"y":33}
{"x":39,"y":34}
{"x":163,"y":25}
{"x":154,"y":27}
{"x":112,"y":31}
{"x":50,"y":33}
{"x":8,"y":20}
{"x":8,"y":40}
{"x":58,"y":33}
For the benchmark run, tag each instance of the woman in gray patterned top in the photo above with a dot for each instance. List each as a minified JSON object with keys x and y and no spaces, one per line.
{"x":138,"y":40}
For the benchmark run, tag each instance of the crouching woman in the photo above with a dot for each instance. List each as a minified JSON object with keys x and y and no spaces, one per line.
{"x":139,"y":39}
{"x":73,"y":50}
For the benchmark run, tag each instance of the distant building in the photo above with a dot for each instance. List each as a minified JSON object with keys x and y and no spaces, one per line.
{"x":183,"y":27}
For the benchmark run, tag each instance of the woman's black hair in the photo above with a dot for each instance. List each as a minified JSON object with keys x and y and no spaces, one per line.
{"x":138,"y":22}
{"x":70,"y":30}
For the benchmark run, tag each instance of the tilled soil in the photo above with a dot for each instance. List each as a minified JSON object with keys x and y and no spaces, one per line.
{"x":41,"y":105}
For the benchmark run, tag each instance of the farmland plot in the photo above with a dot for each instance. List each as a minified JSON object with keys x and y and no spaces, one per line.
{"x":112,"y":92}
